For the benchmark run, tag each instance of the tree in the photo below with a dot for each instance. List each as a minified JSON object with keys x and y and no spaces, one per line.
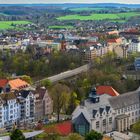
{"x":60,"y":96}
{"x":136,"y":128}
{"x":93,"y":135}
{"x":73,"y":102}
{"x":27,"y":79}
{"x":46,"y":83}
{"x":17,"y":135}
{"x":75,"y":136}
{"x":52,"y":137}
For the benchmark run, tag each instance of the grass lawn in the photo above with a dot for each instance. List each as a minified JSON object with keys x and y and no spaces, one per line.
{"x":87,"y":9}
{"x":8,"y":24}
{"x":60,"y":27}
{"x":112,"y":16}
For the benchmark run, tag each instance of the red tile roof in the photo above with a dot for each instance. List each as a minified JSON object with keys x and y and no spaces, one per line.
{"x":3,"y":82}
{"x":107,"y":90}
{"x":118,"y":40}
{"x":17,"y":84}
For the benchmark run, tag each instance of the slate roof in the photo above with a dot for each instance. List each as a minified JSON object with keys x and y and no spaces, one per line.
{"x":94,"y":113}
{"x":101,"y":110}
{"x":24,"y":93}
{"x":124,"y":100}
{"x":107,"y":108}
{"x":41,"y":92}
{"x":80,"y":120}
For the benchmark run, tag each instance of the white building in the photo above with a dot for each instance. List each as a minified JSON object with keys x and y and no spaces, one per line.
{"x":105,"y":113}
{"x":9,"y":110}
{"x":27,"y":105}
{"x":134,"y":46}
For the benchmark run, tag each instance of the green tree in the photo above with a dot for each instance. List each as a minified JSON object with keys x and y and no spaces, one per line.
{"x":27,"y":79}
{"x":46,"y":83}
{"x":60,"y":95}
{"x":52,"y":137}
{"x":93,"y":135}
{"x":75,"y":136}
{"x":17,"y":135}
{"x":73,"y":102}
{"x":136,"y":128}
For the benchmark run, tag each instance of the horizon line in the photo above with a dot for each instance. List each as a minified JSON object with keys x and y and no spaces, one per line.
{"x":71,"y":3}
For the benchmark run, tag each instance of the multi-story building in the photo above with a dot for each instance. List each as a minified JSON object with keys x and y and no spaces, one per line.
{"x":134,"y":46}
{"x":105,"y":113}
{"x":27,"y":105}
{"x":9,"y":110}
{"x":137,"y":64}
{"x":43,"y":103}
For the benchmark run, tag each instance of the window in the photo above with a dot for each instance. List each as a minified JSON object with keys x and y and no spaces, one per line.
{"x":97,"y":124}
{"x":104,"y":122}
{"x":125,"y":109}
{"x":122,"y":110}
{"x":128,"y":109}
{"x":132,"y":113}
{"x":118,"y":111}
{"x":136,"y":113}
{"x":134,"y":106}
{"x":110,"y":120}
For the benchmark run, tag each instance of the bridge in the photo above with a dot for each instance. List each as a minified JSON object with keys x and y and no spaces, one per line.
{"x":67,"y":74}
{"x":28,"y":135}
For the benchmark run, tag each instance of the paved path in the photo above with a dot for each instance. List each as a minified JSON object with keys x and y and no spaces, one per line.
{"x":27,"y":135}
{"x":66,"y":74}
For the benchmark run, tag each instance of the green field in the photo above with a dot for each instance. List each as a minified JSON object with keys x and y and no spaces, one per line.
{"x":8,"y":24}
{"x":112,"y":16}
{"x":86,"y":9}
{"x":60,"y":27}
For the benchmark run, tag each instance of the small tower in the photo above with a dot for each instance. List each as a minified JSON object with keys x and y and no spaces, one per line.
{"x":63,"y":43}
{"x":94,"y":98}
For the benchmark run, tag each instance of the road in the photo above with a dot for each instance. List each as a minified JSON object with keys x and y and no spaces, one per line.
{"x":27,"y":135}
{"x":66,"y":74}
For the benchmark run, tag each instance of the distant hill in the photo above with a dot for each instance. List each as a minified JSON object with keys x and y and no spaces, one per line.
{"x":70,"y":5}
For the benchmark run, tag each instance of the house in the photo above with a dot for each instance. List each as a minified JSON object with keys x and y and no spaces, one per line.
{"x":17,"y":84}
{"x":107,"y":90}
{"x":27,"y":104}
{"x":14,"y":84}
{"x":10,"y":110}
{"x":105,"y":113}
{"x":121,"y":51}
{"x":134,"y":46}
{"x":137,"y":64}
{"x":43,"y":103}
{"x":3,"y":83}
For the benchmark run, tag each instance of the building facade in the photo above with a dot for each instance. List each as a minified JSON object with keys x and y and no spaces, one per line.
{"x":105,"y":113}
{"x":9,"y":110}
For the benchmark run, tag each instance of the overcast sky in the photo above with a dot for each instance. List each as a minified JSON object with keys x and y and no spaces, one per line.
{"x":69,"y":1}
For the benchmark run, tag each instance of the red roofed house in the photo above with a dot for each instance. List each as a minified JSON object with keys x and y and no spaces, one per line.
{"x":3,"y":82}
{"x":15,"y":84}
{"x":107,"y":90}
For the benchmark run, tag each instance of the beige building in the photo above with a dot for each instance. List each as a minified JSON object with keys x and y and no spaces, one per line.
{"x":105,"y":113}
{"x":43,"y":103}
